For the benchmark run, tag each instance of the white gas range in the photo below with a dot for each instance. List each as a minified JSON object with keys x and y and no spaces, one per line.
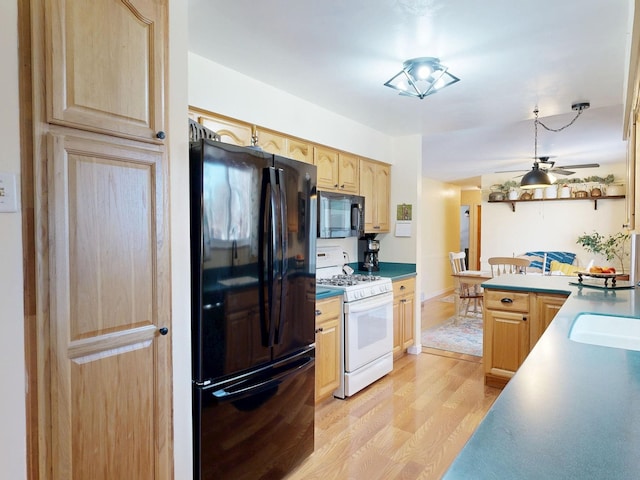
{"x":367,"y":330}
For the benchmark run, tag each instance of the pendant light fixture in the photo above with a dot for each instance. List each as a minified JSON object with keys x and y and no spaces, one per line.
{"x":421,"y":77}
{"x":538,"y":178}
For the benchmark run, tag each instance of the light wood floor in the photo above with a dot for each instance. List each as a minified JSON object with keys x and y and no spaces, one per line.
{"x":409,"y":425}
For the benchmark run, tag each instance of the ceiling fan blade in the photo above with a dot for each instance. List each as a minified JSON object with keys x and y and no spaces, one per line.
{"x":511,"y":171}
{"x":581,"y":165}
{"x":561,"y":171}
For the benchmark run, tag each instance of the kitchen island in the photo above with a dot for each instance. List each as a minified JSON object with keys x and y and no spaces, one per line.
{"x":572,"y":410}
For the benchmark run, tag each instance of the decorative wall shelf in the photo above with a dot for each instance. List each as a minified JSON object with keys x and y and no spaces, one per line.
{"x":592,"y":199}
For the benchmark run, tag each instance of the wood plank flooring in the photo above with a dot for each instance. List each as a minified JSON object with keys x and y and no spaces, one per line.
{"x":409,"y":425}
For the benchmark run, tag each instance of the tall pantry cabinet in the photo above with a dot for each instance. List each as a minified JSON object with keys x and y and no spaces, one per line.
{"x":100,"y":366}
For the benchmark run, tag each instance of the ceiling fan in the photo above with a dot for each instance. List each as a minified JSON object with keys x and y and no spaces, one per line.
{"x":549,"y":166}
{"x":543,"y":166}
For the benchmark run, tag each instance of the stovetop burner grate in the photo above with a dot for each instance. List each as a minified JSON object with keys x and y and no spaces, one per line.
{"x":348,"y":280}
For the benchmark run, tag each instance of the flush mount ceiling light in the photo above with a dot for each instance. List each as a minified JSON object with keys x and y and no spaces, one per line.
{"x":421,"y":77}
{"x":537,"y":177}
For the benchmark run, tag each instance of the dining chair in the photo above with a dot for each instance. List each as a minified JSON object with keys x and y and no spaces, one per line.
{"x":506,"y":265}
{"x":467,"y":294}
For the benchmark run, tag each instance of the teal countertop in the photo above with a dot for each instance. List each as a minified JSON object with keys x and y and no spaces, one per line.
{"x":572,"y":410}
{"x":322,"y":293}
{"x":396,"y":271}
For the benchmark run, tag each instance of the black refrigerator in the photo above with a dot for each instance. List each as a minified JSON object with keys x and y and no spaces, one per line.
{"x":253,"y":240}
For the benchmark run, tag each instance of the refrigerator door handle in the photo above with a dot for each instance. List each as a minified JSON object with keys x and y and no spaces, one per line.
{"x":284,"y":262}
{"x":268,"y":247}
{"x":247,"y":388}
{"x":273,"y":267}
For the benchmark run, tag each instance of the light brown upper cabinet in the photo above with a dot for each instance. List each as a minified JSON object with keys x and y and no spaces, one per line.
{"x":279,"y":144}
{"x":337,"y":171}
{"x":230,"y":131}
{"x":375,"y":186}
{"x":105,"y":66}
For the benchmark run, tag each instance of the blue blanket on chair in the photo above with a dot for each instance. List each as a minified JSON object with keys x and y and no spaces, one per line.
{"x":562,"y":257}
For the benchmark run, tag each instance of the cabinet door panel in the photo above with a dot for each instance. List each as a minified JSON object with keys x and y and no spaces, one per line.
{"x":299,"y":150}
{"x":105,"y":65}
{"x":228,"y":130}
{"x":547,"y":306}
{"x":327,"y":162}
{"x":408,"y":306}
{"x":367,"y":189}
{"x":327,"y":353}
{"x":328,"y":324}
{"x":109,"y":290}
{"x":506,"y":342}
{"x":348,"y":173}
{"x":272,"y":142}
{"x":382,"y":189}
{"x":375,"y":188}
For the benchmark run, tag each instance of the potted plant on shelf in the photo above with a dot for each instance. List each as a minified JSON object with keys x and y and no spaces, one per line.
{"x":502,"y":191}
{"x":610,"y":247}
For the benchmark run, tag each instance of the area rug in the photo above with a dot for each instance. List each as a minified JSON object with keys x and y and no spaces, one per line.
{"x":461,"y":336}
{"x":449,"y":298}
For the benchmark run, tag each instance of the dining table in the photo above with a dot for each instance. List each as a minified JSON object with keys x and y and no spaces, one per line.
{"x":473,"y":278}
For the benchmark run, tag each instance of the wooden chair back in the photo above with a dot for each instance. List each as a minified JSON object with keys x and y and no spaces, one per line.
{"x":458,"y":263}
{"x":505,"y":265}
{"x":467,"y":294}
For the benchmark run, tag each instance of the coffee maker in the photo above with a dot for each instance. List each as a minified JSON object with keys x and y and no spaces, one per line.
{"x":368,"y":248}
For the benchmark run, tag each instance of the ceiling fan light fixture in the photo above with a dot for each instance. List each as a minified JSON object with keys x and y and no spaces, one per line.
{"x":536,"y":178}
{"x":421,"y":77}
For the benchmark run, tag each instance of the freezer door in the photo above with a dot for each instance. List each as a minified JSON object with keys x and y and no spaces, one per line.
{"x":260,"y":425}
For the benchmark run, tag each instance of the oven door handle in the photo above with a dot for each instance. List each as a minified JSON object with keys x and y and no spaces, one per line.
{"x":369,"y":303}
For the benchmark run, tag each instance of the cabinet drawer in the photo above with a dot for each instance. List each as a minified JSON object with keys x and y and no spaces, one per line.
{"x":404,"y":287}
{"x":506,"y":300}
{"x":328,"y":309}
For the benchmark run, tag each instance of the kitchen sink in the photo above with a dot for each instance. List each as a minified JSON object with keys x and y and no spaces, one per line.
{"x":607,"y":331}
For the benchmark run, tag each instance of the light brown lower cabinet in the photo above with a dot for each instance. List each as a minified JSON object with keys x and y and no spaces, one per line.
{"x":404,"y":292}
{"x":513,"y":324}
{"x":328,"y":322}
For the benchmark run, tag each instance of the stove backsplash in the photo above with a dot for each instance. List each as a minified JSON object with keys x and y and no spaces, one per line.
{"x":349,"y":246}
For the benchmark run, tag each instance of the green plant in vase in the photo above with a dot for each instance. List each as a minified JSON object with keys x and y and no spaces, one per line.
{"x":611,"y":247}
{"x":508,"y":186}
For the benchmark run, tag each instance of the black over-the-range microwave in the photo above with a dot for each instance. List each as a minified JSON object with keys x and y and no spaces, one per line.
{"x":340,"y":215}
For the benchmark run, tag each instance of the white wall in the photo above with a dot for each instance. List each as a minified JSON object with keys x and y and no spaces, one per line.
{"x":406,"y":188}
{"x":180,"y":247}
{"x":12,"y":367}
{"x":221,"y":90}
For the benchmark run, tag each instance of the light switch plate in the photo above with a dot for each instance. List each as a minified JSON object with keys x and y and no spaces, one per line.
{"x":8,"y":195}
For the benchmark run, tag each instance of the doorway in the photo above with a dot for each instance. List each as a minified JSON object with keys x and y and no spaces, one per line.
{"x":470,"y":234}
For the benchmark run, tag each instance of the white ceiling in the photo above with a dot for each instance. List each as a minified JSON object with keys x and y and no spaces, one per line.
{"x":510,"y":56}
